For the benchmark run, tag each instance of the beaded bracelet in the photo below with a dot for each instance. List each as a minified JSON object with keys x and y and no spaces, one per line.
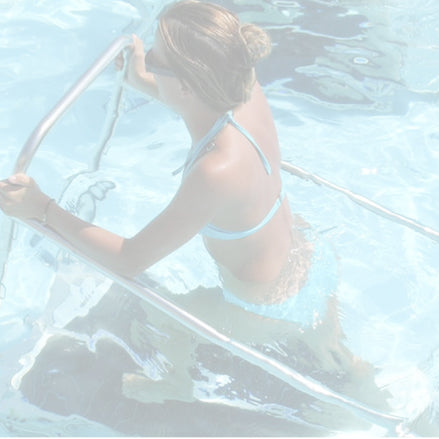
{"x":46,"y":210}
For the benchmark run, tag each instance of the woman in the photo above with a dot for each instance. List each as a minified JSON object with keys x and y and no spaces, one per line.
{"x":202,"y":65}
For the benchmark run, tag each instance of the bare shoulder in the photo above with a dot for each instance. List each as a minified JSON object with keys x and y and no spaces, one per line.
{"x":215,"y":171}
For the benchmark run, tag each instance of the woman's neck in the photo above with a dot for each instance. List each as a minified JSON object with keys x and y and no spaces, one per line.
{"x":200,"y":122}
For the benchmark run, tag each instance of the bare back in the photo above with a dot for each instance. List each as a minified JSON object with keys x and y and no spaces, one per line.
{"x":250,"y":194}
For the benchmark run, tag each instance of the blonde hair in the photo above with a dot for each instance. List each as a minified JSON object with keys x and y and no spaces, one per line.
{"x":212,"y":51}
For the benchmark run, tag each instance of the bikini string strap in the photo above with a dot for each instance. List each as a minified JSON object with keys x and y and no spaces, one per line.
{"x":196,"y":151}
{"x":243,"y":131}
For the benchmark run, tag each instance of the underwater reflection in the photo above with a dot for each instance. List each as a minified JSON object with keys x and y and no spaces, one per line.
{"x":130,"y":367}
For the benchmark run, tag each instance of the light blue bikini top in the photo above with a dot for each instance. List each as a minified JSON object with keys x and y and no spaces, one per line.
{"x":210,"y":230}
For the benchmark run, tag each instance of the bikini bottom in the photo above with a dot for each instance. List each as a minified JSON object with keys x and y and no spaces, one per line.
{"x":308,"y":307}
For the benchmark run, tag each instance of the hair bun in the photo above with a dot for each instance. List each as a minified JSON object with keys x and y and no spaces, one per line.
{"x":257,"y":42}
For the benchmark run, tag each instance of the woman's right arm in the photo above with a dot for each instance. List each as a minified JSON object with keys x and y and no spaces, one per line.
{"x":136,"y":75}
{"x":193,"y":206}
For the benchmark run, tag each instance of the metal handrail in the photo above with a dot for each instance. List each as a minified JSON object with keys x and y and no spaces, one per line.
{"x":309,"y":386}
{"x":30,"y":147}
{"x":39,"y":133}
{"x":364,"y":202}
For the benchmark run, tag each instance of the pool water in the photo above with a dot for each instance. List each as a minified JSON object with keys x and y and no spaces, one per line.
{"x":354,"y":90}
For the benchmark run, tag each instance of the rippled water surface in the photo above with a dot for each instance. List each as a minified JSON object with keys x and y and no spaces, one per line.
{"x":353,"y":86}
